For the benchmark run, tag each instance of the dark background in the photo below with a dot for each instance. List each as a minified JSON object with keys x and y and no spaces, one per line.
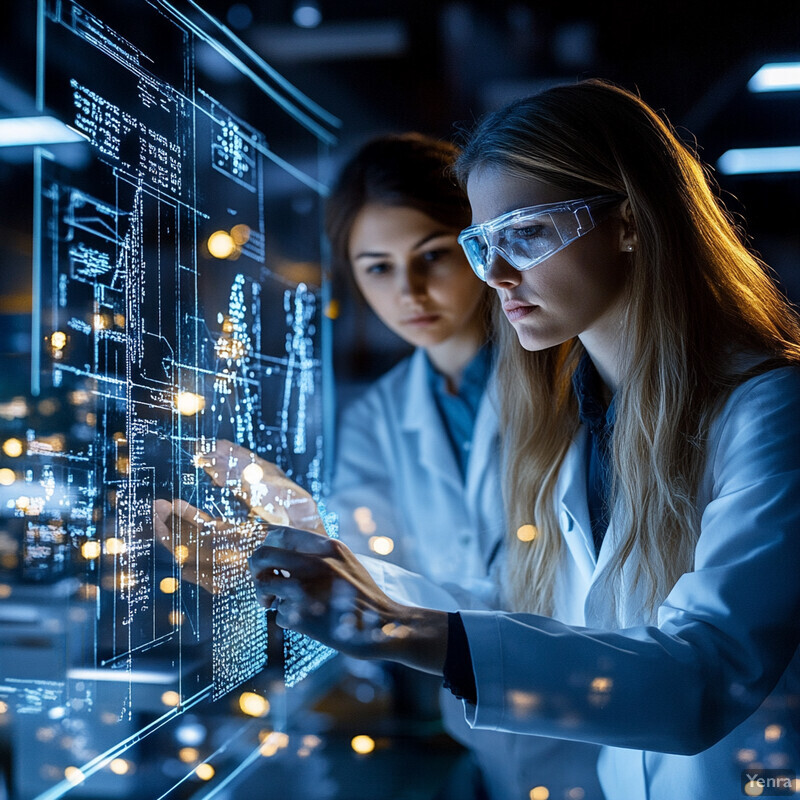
{"x":391,"y":65}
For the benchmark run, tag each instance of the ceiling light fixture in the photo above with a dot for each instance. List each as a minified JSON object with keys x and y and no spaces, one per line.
{"x":777,"y":77}
{"x":15,"y":131}
{"x":757,"y":160}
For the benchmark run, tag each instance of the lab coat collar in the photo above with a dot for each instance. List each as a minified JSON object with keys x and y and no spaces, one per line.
{"x":435,"y":450}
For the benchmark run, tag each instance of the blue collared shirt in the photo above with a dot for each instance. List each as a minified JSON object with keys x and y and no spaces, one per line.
{"x":459,"y":411}
{"x":599,"y":422}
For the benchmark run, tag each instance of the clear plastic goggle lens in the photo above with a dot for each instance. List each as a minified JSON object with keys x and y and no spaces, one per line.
{"x":527,"y":236}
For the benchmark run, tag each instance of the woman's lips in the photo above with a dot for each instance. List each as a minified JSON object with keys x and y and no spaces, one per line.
{"x":421,"y":319}
{"x":515,"y":310}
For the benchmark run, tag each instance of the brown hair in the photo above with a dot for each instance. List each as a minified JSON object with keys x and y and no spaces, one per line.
{"x":405,"y":169}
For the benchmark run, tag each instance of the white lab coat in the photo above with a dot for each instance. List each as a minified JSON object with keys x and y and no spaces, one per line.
{"x":684,"y":705}
{"x":394,"y":458}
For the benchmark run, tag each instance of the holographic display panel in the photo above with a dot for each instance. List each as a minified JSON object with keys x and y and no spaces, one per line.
{"x":176,"y":304}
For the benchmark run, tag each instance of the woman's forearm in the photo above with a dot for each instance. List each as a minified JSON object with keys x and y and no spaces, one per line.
{"x":418,"y":639}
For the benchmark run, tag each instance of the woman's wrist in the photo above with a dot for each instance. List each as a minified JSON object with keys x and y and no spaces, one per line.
{"x":418,"y":639}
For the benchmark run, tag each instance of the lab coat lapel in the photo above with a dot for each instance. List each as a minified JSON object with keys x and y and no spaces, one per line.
{"x":484,"y":493}
{"x":573,"y":511}
{"x":629,"y":599}
{"x":573,"y":508}
{"x":422,"y":421}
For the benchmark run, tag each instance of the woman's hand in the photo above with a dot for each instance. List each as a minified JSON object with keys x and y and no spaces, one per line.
{"x":263,"y":487}
{"x":323,"y":591}
{"x":211,"y":552}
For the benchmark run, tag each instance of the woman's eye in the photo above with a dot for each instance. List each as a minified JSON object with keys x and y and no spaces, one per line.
{"x":432,"y":256}
{"x":528,"y":231}
{"x":379,"y":268}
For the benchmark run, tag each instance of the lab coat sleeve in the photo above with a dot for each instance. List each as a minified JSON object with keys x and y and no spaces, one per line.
{"x":413,"y":589}
{"x":724,"y":635}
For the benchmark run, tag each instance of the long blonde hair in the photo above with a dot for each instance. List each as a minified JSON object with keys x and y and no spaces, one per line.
{"x":696,"y":295}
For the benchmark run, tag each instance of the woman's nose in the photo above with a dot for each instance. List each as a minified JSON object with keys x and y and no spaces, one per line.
{"x":500,"y":274}
{"x":412,"y":282}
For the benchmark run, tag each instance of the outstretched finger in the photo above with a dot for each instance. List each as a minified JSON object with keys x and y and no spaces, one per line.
{"x":162,"y":516}
{"x":222,"y":460}
{"x":165,"y":511}
{"x":162,"y":510}
{"x":228,"y":459}
{"x":226,"y":450}
{"x":189,"y":513}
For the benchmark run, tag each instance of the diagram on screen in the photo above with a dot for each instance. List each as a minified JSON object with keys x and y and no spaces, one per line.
{"x":168,"y":320}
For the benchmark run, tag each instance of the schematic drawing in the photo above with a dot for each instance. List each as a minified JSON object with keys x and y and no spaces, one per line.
{"x":159,"y":344}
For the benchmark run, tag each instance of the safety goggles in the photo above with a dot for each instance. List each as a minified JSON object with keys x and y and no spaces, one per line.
{"x":528,"y":236}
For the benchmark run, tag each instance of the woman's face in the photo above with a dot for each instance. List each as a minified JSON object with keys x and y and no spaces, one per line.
{"x":414,"y":275}
{"x":578,"y":291}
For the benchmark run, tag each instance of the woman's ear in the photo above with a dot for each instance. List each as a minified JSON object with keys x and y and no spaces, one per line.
{"x":628,"y":240}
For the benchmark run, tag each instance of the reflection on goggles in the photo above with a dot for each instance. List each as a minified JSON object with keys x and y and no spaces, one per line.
{"x":528,"y":236}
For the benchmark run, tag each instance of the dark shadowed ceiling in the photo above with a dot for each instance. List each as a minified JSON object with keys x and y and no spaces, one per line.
{"x":386,"y":65}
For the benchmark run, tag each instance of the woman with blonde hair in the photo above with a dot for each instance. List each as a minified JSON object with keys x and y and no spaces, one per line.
{"x":652,"y":422}
{"x":417,"y":460}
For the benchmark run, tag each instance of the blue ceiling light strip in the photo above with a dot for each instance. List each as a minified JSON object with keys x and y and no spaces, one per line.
{"x":776,"y":77}
{"x":759,"y":160}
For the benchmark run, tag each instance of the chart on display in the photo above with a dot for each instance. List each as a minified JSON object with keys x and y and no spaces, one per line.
{"x":178,"y":303}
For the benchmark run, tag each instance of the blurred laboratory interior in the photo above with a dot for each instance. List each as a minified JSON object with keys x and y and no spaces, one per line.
{"x":338,"y":72}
